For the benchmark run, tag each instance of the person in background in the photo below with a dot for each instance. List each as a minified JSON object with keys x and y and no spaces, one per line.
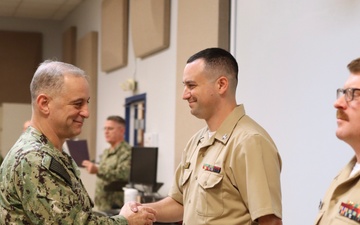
{"x":230,"y":170}
{"x":39,"y":183}
{"x":114,"y":168}
{"x":27,"y":123}
{"x":25,"y":126}
{"x":345,"y":188}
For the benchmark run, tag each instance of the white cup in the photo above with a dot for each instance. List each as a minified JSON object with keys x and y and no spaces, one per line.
{"x":130,"y":194}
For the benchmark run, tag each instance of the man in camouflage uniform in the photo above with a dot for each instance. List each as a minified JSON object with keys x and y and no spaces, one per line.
{"x":114,"y":168}
{"x":39,"y":183}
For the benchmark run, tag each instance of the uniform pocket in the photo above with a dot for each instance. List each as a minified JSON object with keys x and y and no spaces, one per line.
{"x":209,"y":201}
{"x":342,"y":220}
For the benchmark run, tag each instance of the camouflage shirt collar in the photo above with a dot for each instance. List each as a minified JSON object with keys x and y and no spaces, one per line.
{"x":47,"y":146}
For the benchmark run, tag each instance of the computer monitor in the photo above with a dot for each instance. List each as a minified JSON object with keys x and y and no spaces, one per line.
{"x":143,"y":170}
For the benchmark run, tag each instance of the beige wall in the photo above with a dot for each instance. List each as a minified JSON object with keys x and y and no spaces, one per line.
{"x":12,"y":118}
{"x":86,"y":58}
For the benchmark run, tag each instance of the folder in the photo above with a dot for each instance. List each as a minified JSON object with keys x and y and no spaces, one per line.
{"x":78,"y":150}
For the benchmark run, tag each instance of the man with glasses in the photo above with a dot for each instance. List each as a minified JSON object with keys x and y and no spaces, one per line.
{"x":341,"y":204}
{"x":114,"y":168}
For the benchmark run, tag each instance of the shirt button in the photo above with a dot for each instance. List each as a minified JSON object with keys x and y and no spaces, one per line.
{"x":196,"y":178}
{"x":205,"y":183}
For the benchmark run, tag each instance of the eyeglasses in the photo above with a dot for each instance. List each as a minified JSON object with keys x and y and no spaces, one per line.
{"x":348,"y":92}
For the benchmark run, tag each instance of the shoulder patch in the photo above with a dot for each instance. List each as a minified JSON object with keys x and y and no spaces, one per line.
{"x":57,"y":168}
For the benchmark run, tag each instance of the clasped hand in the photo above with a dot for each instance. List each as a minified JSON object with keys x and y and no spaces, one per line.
{"x":136,"y":214}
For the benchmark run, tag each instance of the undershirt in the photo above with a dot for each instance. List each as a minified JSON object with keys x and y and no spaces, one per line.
{"x":355,"y":169}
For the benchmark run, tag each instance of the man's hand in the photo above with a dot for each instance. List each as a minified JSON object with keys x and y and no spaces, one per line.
{"x":270,"y":220}
{"x":134,"y":206}
{"x":136,"y":214}
{"x":90,"y":167}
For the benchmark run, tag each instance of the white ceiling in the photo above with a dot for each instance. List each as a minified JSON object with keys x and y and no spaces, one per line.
{"x":37,"y":9}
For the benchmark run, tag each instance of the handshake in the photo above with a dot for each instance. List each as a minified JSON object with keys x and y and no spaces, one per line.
{"x":137,"y":214}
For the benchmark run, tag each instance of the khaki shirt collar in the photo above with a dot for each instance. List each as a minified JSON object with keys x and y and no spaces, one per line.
{"x":225,"y":130}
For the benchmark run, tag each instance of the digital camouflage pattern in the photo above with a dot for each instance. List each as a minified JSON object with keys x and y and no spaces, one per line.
{"x":114,"y":167}
{"x":33,"y":191}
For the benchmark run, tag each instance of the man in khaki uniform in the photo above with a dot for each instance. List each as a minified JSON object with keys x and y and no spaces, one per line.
{"x":230,"y":170}
{"x":341,"y":204}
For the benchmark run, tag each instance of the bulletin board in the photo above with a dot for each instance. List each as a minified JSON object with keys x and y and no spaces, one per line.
{"x":20,"y":55}
{"x":69,"y":45}
{"x":86,"y":59}
{"x":150,"y":26}
{"x":114,"y":34}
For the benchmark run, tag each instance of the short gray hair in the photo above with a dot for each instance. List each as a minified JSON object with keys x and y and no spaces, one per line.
{"x":49,"y":77}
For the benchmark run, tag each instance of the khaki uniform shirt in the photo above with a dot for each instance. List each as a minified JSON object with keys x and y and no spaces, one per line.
{"x":114,"y":167}
{"x":232,"y":177}
{"x":341,"y":204}
{"x":40,"y":185}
